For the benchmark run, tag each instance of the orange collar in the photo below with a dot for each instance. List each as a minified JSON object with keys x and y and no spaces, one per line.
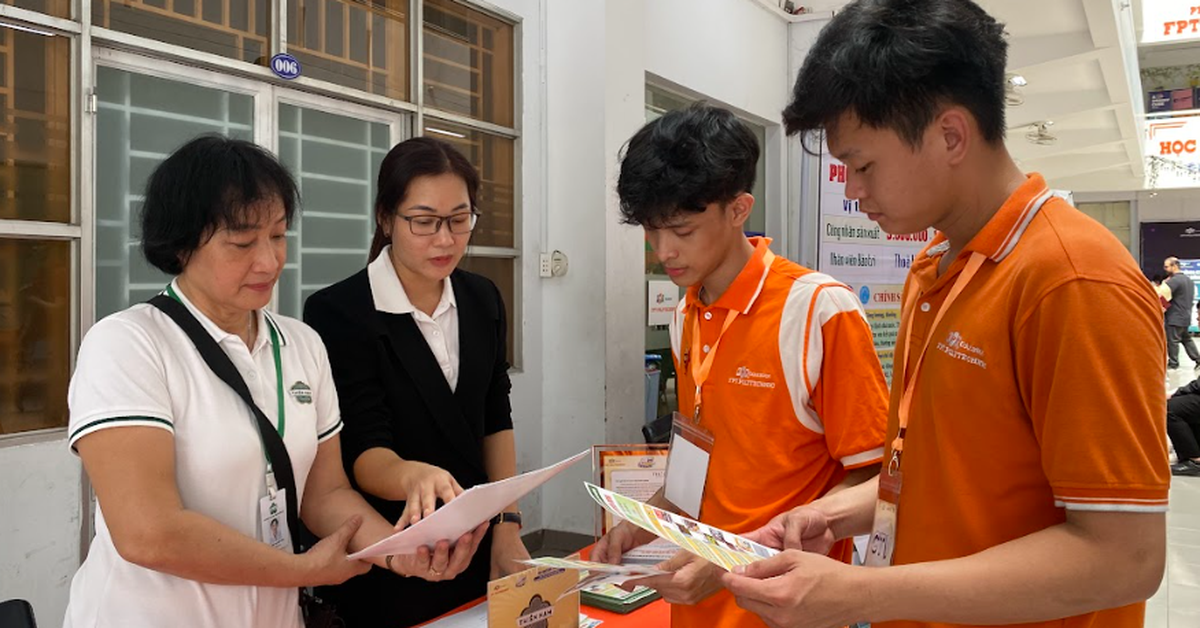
{"x":746,"y":287}
{"x":1000,"y":235}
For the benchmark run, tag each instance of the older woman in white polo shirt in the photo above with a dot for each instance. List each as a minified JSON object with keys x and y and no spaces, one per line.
{"x":174,"y":454}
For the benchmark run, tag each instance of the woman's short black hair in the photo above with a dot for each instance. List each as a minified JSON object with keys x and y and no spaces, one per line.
{"x":210,"y":183}
{"x":683,"y":161}
{"x":895,"y":63}
{"x":408,"y":160}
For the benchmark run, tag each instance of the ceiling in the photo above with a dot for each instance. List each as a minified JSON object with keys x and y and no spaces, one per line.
{"x":1071,"y":54}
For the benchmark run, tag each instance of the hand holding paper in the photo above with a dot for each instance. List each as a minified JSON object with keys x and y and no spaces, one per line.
{"x":724,"y":549}
{"x":476,"y":505}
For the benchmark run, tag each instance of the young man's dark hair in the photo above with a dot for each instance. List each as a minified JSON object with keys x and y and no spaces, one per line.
{"x":894,"y":63}
{"x":684,"y":161}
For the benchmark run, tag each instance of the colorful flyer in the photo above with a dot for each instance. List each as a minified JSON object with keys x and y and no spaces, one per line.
{"x":724,"y":549}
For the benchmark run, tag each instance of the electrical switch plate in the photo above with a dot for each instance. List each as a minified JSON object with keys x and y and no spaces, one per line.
{"x":558,"y":264}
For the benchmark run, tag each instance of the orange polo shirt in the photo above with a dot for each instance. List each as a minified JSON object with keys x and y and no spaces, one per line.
{"x":1041,"y":390}
{"x":795,"y":397}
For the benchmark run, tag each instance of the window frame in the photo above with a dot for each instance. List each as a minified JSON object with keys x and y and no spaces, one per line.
{"x":71,"y":231}
{"x":90,"y":45}
{"x":514,"y":133}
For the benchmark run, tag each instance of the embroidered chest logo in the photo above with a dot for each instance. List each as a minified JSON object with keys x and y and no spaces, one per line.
{"x":959,"y":349}
{"x":301,"y":392}
{"x":746,"y":377}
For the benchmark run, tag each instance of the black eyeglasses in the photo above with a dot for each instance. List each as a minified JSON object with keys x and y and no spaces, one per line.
{"x":462,"y":222}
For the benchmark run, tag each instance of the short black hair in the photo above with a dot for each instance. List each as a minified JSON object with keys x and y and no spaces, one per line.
{"x":895,"y":63}
{"x":408,"y":160}
{"x":683,"y":161}
{"x":207,"y":184}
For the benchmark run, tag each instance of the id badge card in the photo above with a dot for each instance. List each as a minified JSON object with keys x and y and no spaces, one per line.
{"x":882,"y":543}
{"x":273,"y":514}
{"x":687,"y":465}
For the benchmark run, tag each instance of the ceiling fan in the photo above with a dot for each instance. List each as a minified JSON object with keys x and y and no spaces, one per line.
{"x":1013,"y":96}
{"x":1040,"y":134}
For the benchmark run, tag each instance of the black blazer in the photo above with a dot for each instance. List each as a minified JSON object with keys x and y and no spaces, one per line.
{"x":393,"y":394}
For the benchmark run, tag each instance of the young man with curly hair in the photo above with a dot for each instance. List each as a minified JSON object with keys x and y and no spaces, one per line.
{"x":774,"y":361}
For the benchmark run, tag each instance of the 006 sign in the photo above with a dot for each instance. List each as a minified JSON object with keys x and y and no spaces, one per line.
{"x":285,"y":66}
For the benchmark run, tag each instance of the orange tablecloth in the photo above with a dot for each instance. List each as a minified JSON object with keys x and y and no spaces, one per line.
{"x":656,"y":614}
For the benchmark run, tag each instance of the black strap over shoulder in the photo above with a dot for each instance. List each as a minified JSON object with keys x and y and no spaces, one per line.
{"x":223,"y":367}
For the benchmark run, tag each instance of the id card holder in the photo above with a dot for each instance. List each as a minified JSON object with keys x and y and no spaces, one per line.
{"x":273,"y":515}
{"x":882,"y":543}
{"x":687,"y":465}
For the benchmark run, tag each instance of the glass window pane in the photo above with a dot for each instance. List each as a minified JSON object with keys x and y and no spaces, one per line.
{"x":35,"y":334}
{"x":495,"y":158}
{"x":35,"y":126}
{"x":237,"y":29}
{"x":335,"y":160}
{"x":141,"y":120}
{"x":502,"y":272}
{"x":468,"y":62}
{"x":363,"y":45}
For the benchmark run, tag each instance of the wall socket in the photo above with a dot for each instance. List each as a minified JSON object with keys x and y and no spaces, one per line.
{"x":552,"y":264}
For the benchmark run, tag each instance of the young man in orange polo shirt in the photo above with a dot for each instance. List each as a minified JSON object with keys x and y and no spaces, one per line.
{"x":781,"y":357}
{"x":1026,"y":476}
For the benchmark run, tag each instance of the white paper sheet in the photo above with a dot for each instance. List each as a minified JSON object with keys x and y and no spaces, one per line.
{"x":651,"y":553}
{"x":465,"y":512}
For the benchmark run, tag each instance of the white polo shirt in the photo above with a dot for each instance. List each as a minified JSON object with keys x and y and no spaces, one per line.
{"x":440,"y":330}
{"x":137,"y":367}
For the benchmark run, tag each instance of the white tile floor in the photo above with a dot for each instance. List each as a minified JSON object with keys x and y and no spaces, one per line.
{"x":1177,"y":603}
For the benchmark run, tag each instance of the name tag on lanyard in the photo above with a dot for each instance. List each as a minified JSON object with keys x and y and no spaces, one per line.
{"x":272,"y":509}
{"x":273,"y":515}
{"x":882,"y":543}
{"x":687,"y":465}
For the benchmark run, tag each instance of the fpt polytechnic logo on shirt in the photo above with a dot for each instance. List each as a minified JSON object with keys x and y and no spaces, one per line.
{"x":746,"y":377}
{"x":959,"y":349}
{"x":301,"y":393}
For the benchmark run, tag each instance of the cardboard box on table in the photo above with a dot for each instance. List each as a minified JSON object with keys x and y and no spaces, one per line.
{"x":529,"y":599}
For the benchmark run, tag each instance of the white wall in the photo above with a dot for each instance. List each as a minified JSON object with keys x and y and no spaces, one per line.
{"x":734,"y":51}
{"x":599,"y":54}
{"x":39,"y":526}
{"x":592,"y":332}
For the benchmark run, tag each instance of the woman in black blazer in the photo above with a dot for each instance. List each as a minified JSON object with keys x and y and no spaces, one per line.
{"x":418,"y":350}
